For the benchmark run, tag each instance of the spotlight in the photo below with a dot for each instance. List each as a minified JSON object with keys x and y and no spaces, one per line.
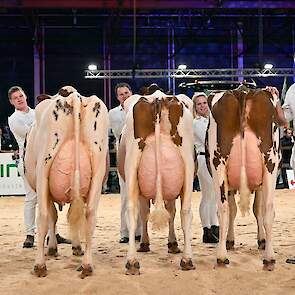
{"x":268,"y":66}
{"x":92,"y":67}
{"x":182,"y":67}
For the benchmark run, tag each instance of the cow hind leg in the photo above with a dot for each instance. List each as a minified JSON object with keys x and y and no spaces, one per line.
{"x":186,"y":212}
{"x":40,"y":269}
{"x":268,"y":218}
{"x":132,"y":265}
{"x":87,"y":268}
{"x":172,"y":243}
{"x":230,"y":241}
{"x":223,"y":215}
{"x":186,"y":262}
{"x":257,"y":210}
{"x":52,"y":242}
{"x":77,"y":222}
{"x":91,"y":211}
{"x":144,"y":213}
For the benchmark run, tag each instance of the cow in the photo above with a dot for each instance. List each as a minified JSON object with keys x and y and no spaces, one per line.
{"x":156,"y":161}
{"x":243,"y":146}
{"x":65,"y":162}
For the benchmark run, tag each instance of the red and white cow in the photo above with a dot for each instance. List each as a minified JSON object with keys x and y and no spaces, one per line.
{"x":243,"y":143}
{"x":65,"y":162}
{"x":158,"y":143}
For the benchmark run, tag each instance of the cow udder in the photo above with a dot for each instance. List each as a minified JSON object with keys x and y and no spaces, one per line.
{"x":253,"y":162}
{"x":171,"y":169}
{"x":62,"y":171}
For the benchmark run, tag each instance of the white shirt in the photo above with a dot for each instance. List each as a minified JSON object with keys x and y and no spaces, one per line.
{"x":117,"y":117}
{"x":289,"y":104}
{"x":199,"y":129}
{"x":20,"y":123}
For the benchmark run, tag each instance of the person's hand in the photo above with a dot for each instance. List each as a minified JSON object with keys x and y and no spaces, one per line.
{"x":280,"y":117}
{"x":273,"y":90}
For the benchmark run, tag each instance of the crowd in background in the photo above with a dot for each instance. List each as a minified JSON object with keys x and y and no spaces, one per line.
{"x":7,"y":140}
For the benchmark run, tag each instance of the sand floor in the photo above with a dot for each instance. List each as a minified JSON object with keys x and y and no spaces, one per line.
{"x":160,"y":273}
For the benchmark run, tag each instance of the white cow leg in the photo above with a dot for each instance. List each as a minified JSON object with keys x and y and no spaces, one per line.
{"x":40,"y":269}
{"x":186,"y":218}
{"x":223,"y":215}
{"x":87,"y":264}
{"x":186,"y":262}
{"x":52,"y":244}
{"x":222,"y":199}
{"x":131,"y":167}
{"x":268,"y":218}
{"x":257,"y":210}
{"x":132,"y":265}
{"x":186,"y":215}
{"x":172,"y":243}
{"x":144,"y":214}
{"x":76,"y":239}
{"x":230,"y":241}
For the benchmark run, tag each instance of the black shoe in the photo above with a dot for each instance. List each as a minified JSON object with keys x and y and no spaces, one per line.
{"x":124,"y":240}
{"x":61,"y":240}
{"x":29,"y":242}
{"x":137,"y":238}
{"x":215,"y":231}
{"x":291,"y":260}
{"x":208,"y":237}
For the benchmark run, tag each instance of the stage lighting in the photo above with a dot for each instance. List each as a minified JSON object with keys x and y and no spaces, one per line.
{"x":268,"y":66}
{"x":182,"y":67}
{"x":92,"y":67}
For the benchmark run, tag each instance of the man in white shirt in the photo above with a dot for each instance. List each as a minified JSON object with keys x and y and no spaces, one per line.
{"x":117,"y":117}
{"x":208,"y":208}
{"x":20,"y":123}
{"x":289,"y":112}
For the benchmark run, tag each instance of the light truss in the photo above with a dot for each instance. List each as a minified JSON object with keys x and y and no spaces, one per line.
{"x":189,"y":73}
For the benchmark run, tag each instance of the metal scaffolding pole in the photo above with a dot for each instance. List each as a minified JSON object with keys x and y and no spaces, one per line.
{"x":240,"y":49}
{"x":171,"y":58}
{"x":39,"y":62}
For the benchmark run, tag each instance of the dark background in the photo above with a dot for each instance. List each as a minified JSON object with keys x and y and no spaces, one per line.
{"x":205,"y":36}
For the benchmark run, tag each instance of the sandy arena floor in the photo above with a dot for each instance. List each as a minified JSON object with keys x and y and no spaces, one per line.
{"x":160,"y":273}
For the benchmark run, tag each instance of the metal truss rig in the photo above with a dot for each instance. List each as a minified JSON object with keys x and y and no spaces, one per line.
{"x":189,"y":73}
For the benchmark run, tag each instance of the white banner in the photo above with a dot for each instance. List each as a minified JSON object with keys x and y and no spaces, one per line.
{"x":11,"y":183}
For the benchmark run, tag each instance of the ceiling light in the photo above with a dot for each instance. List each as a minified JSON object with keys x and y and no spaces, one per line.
{"x":92,"y":67}
{"x":268,"y":66}
{"x":182,"y":67}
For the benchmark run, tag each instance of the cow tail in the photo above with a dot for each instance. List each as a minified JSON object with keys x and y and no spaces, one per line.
{"x":159,"y":216}
{"x":244,"y":203}
{"x":76,"y":214}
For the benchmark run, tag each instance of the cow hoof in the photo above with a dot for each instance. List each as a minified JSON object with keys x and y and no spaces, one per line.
{"x":52,"y":252}
{"x":77,"y":251}
{"x":261,"y":244}
{"x":144,"y":247}
{"x":269,"y":264}
{"x":230,"y":245}
{"x":173,"y":248}
{"x":86,"y":271}
{"x":222,"y":262}
{"x":186,"y":264}
{"x":132,"y":267}
{"x":40,"y":270}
